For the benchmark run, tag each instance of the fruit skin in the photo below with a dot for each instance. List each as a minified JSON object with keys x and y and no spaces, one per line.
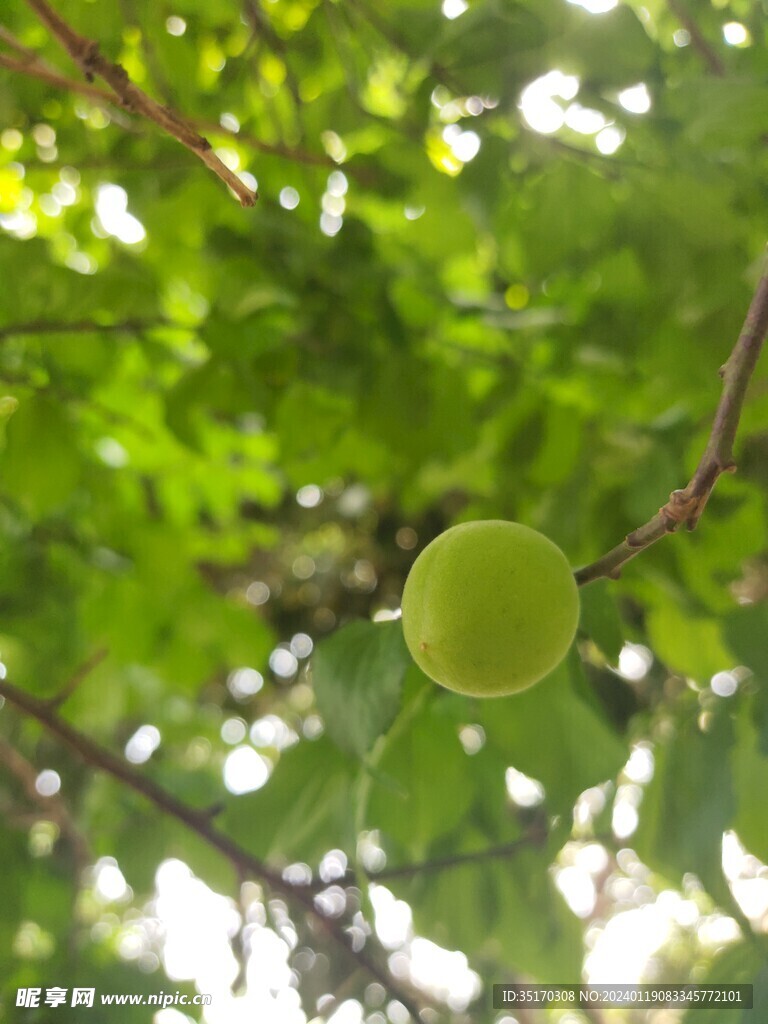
{"x":489,"y":608}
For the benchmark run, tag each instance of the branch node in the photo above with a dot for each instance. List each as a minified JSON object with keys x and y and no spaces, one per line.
{"x":680,"y":508}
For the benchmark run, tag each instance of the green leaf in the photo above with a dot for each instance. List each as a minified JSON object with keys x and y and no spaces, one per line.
{"x":739,"y":964}
{"x":505,"y":911}
{"x":550,"y":733}
{"x":600,"y":619}
{"x":745,"y":630}
{"x":39,"y":467}
{"x":613,"y":49}
{"x":690,"y":801}
{"x":750,"y":777}
{"x":728,"y":115}
{"x":424,"y":783}
{"x":358,"y":675}
{"x":506,"y":323}
{"x":688,"y":643}
{"x":310,"y":421}
{"x":13,"y":884}
{"x":303,"y":811}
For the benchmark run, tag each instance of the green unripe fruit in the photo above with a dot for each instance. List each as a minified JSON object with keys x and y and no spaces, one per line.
{"x":490,"y":608}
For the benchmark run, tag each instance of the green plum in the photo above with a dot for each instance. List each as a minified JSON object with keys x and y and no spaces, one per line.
{"x":490,"y":608}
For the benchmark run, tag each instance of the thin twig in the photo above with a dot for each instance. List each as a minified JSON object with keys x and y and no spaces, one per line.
{"x":261,"y":28}
{"x":7,"y":37}
{"x":85,"y":53}
{"x":53,"y":806}
{"x":609,"y":162}
{"x":38,"y":69}
{"x":698,"y":40}
{"x":342,"y":992}
{"x":81,"y":672}
{"x":35,"y":67}
{"x":371,"y":13}
{"x":503,"y":850}
{"x":301,"y":156}
{"x":200,"y":823}
{"x":79,"y":327}
{"x":27,"y":380}
{"x":534,"y":837}
{"x":161,"y":83}
{"x":686,"y":505}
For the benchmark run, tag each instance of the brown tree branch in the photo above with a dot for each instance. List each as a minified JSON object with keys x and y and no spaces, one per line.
{"x":85,"y":53}
{"x":199,"y":822}
{"x":698,"y":40}
{"x":686,"y":505}
{"x":34,"y":66}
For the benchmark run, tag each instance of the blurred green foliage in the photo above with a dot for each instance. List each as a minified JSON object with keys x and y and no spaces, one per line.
{"x":226,"y":433}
